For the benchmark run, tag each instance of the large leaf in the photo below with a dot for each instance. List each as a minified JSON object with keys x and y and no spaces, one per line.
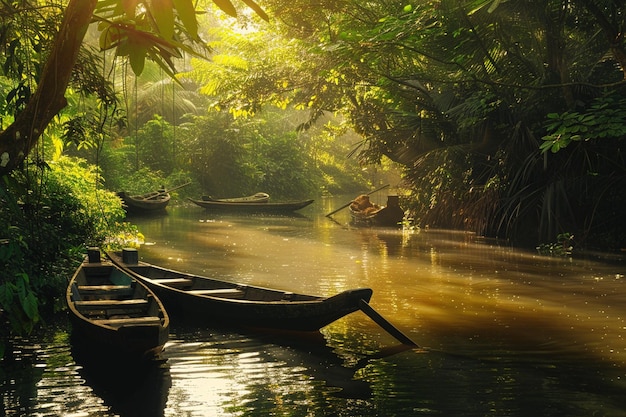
{"x":31,"y":307}
{"x":257,"y":9}
{"x":110,"y":36}
{"x":163,"y":13}
{"x":226,"y":6}
{"x":137,"y":58}
{"x":187,"y":15}
{"x":130,"y":7}
{"x":7,"y":292}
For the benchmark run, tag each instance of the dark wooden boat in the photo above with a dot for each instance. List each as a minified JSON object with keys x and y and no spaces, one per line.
{"x":255,"y":198}
{"x":364,"y":213}
{"x":219,"y":302}
{"x":145,"y":203}
{"x":258,"y":207}
{"x":114,"y":313}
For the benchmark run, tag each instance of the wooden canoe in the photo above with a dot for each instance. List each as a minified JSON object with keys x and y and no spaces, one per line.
{"x":252,"y":207}
{"x":217,"y":302}
{"x":145,"y":203}
{"x":114,"y":313}
{"x":255,"y":198}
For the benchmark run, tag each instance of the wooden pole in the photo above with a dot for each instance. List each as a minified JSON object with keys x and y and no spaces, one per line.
{"x":382,"y":322}
{"x":347,"y":204}
{"x":165,"y":192}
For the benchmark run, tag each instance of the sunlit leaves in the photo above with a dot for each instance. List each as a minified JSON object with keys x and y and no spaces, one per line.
{"x":154,"y":29}
{"x":606,"y":118}
{"x":227,"y":7}
{"x":251,"y":4}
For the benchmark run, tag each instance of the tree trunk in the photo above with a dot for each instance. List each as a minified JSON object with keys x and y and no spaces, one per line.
{"x":612,"y":27}
{"x":18,"y":140}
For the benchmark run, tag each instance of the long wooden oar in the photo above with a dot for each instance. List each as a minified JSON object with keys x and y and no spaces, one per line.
{"x":382,"y":322}
{"x":347,"y":204}
{"x":167,"y":191}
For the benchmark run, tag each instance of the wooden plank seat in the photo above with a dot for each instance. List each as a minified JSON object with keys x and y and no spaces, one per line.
{"x":130,"y":321}
{"x":219,"y":292}
{"x":113,"y":290}
{"x":175,"y":282}
{"x":107,"y":304}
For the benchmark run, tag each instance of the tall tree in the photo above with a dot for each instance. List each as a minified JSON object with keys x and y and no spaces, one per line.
{"x":461,"y":92}
{"x":156,"y":29}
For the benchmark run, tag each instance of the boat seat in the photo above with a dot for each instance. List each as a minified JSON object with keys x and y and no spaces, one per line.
{"x":130,"y":321}
{"x":99,"y":290}
{"x":175,"y":282}
{"x":104,"y":304}
{"x":219,"y":292}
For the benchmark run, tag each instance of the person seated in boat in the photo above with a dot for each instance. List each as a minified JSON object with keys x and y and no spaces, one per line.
{"x":363,"y":204}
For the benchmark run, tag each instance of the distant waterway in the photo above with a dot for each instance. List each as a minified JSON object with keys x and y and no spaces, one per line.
{"x":502,"y":331}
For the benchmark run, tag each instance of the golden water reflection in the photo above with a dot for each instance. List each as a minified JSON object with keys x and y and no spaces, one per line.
{"x":504,"y":332}
{"x":461,"y":296}
{"x":435,"y":285}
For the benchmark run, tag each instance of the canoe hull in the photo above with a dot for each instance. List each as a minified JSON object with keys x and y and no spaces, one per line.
{"x":146,"y":203}
{"x":255,"y":198}
{"x":303,"y":316}
{"x":252,"y":207}
{"x":386,"y":217}
{"x":390,"y":215}
{"x":256,"y":307}
{"x":114,"y":314}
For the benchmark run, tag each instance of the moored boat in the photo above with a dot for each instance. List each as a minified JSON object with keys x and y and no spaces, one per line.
{"x":252,"y":206}
{"x":215,"y":301}
{"x":145,"y":203}
{"x":114,"y":313}
{"x":259,"y":197}
{"x":366,"y":213}
{"x":152,"y":202}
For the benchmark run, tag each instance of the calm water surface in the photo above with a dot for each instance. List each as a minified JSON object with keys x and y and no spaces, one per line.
{"x":502,"y":332}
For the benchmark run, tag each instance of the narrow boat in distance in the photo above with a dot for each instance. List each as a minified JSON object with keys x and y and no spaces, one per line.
{"x":364,"y":213}
{"x":151,"y":202}
{"x":259,"y":197}
{"x":113,"y":313}
{"x":252,"y":206}
{"x":218,"y":302}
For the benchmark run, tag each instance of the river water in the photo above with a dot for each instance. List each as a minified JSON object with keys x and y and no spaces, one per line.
{"x":501,"y":331}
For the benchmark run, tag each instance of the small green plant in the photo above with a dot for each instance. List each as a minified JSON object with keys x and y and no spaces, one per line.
{"x":562,"y":247}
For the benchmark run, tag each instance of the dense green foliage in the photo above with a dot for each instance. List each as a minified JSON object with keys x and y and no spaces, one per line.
{"x":466,"y":95}
{"x":507,"y":118}
{"x":50,"y":215}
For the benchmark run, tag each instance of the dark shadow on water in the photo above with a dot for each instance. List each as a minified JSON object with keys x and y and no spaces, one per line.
{"x":130,"y":388}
